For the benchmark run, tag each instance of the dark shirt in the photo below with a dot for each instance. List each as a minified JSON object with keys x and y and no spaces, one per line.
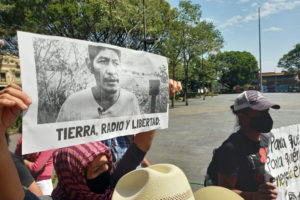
{"x":130,"y":160}
{"x":245,"y":159}
{"x":23,"y":171}
{"x":30,"y":196}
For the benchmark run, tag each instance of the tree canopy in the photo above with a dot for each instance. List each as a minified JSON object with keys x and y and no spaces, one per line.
{"x":108,"y":21}
{"x":178,"y":33}
{"x":291,"y":60}
{"x":236,"y":67}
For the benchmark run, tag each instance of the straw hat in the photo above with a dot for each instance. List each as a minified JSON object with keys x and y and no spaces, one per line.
{"x":165,"y":182}
{"x":216,"y":193}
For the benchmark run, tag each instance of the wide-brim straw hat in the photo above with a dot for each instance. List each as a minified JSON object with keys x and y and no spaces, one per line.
{"x":165,"y":182}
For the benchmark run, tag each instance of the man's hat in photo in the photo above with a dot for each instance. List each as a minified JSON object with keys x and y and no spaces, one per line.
{"x":254,"y":100}
{"x":165,"y":182}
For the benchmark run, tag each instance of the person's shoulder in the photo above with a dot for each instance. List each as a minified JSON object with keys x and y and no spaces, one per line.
{"x":232,"y":142}
{"x":78,"y":97}
{"x":80,"y":94}
{"x":266,"y":138}
{"x":125,"y":94}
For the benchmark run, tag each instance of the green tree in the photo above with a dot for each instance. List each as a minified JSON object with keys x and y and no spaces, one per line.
{"x":108,"y":21}
{"x":237,"y":68}
{"x":203,"y":72}
{"x":291,"y":60}
{"x":11,"y":19}
{"x":198,"y":37}
{"x":171,"y":47}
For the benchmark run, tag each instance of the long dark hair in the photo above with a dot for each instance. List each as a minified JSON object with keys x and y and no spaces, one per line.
{"x":7,"y":138}
{"x":238,"y":124}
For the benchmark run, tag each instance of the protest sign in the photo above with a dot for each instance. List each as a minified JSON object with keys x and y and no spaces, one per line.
{"x":83,"y":91}
{"x":283,"y":161}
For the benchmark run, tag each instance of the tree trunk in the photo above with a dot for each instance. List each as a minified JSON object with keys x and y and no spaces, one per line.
{"x":186,"y":83}
{"x":173,"y":98}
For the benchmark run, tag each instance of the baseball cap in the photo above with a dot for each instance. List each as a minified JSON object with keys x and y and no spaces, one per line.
{"x":253,"y":99}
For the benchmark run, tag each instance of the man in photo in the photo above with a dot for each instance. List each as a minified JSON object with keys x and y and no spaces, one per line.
{"x":106,"y":98}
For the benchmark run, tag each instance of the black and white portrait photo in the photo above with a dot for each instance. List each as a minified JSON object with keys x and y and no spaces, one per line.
{"x":84,"y":91}
{"x":82,"y":82}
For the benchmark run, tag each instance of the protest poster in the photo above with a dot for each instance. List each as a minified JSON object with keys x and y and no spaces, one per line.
{"x":283,"y":161}
{"x":84,"y":91}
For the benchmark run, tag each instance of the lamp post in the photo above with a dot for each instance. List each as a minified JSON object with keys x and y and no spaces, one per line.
{"x":144,"y":16}
{"x":146,"y":41}
{"x":260,"y":75}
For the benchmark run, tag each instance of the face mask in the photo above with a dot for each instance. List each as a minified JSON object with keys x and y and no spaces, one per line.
{"x":262,"y":124}
{"x":100,"y":183}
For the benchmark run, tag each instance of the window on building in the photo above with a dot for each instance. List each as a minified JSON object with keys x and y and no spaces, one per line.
{"x":2,"y":77}
{"x":17,"y":75}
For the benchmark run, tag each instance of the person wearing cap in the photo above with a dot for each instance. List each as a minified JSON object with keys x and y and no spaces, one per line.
{"x":239,"y":163}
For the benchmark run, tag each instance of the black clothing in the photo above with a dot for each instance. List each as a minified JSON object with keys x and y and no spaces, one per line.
{"x":30,"y":196}
{"x":262,"y":124}
{"x":243,"y":158}
{"x":128,"y":162}
{"x":100,"y":183}
{"x":23,"y":172}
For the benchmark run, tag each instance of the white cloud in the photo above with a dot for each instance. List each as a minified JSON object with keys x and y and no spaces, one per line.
{"x":254,"y":4}
{"x":277,"y":6}
{"x":208,"y":19}
{"x":243,"y":1}
{"x":279,"y":0}
{"x":232,"y":21}
{"x":251,"y":17}
{"x":218,"y":1}
{"x":273,"y":28}
{"x":268,"y":8}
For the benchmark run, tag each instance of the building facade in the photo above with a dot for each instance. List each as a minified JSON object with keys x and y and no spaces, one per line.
{"x":280,"y":82}
{"x":9,"y":70}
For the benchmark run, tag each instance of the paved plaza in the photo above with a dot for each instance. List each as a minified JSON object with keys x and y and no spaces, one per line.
{"x":195,"y":130}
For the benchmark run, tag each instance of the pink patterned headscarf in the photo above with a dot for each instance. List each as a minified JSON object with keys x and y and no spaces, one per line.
{"x":70,"y":164}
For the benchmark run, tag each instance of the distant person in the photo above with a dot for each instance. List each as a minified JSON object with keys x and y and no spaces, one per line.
{"x":205,"y":93}
{"x":240,"y":161}
{"x":40,"y":165}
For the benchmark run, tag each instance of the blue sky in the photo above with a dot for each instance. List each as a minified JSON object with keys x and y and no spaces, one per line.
{"x":238,"y":22}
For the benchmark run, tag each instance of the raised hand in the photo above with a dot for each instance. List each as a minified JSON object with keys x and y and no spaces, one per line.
{"x":266,"y":191}
{"x":174,"y":87}
{"x":12,"y":101}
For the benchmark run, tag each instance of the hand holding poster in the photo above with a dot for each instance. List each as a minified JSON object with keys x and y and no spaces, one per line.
{"x":84,"y":91}
{"x":283,"y":161}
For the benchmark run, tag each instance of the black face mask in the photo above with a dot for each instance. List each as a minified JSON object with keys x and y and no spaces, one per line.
{"x":100,"y":183}
{"x":262,"y":124}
